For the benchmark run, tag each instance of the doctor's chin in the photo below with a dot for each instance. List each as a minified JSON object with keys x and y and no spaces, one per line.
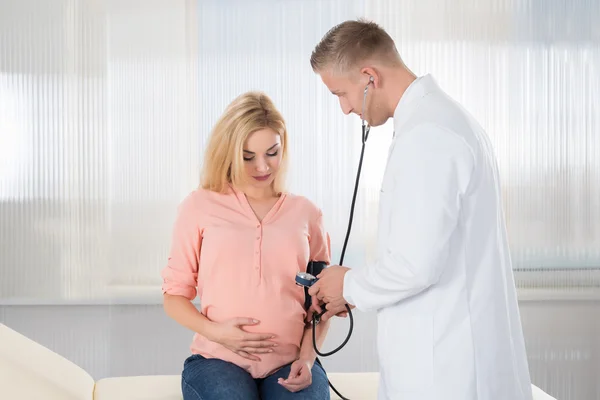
{"x":299,"y":200}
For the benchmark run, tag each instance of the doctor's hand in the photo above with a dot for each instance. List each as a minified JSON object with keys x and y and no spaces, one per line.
{"x":231,"y":335}
{"x":300,"y":376}
{"x":323,"y":307}
{"x":344,"y":314}
{"x":329,"y":289}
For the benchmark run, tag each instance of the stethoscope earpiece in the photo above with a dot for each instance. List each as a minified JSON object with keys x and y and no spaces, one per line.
{"x":366,"y":128}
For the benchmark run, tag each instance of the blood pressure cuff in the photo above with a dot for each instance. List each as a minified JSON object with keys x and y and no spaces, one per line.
{"x":314,"y":268}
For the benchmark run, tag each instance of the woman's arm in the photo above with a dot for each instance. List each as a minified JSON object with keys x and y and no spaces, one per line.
{"x":300,"y":375}
{"x":320,"y":250}
{"x":186,"y":314}
{"x":307,"y":351}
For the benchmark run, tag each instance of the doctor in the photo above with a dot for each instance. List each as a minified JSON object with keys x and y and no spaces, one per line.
{"x":443,"y":288}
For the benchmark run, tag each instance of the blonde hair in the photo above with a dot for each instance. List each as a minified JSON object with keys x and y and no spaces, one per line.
{"x":223,"y":159}
{"x":352,"y":42}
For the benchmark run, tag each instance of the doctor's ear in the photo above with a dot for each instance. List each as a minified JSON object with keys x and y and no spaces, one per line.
{"x":373,"y":81}
{"x":372,"y":76}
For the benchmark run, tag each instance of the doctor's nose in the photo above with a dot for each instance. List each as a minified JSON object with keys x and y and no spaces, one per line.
{"x":346,"y":109}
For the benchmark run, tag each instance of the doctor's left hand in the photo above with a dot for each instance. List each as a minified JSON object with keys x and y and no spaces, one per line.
{"x":329,"y":289}
{"x":300,"y":376}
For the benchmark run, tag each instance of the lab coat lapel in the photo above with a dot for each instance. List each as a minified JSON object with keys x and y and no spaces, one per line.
{"x":412,"y":99}
{"x":408,"y":104}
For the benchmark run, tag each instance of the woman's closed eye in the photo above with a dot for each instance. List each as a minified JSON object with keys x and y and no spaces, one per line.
{"x":273,"y":154}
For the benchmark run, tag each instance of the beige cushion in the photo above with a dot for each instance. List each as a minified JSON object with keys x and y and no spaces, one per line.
{"x":31,"y":371}
{"x":353,"y":385}
{"x":158,"y":387}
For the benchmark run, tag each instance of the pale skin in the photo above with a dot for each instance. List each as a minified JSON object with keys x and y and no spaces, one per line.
{"x":262,"y":159}
{"x":390,"y":81}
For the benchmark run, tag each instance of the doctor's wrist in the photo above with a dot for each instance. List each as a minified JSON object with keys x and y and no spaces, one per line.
{"x":347,"y":287}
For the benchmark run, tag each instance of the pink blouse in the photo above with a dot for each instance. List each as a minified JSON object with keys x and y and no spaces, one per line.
{"x":241,"y":267}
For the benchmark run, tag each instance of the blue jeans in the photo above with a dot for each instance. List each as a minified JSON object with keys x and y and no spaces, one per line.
{"x":215,"y":379}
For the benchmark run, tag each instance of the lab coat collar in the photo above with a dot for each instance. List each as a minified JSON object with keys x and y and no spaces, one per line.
{"x":416,"y":91}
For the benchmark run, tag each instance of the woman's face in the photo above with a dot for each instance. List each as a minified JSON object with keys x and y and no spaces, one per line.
{"x":262,"y":157}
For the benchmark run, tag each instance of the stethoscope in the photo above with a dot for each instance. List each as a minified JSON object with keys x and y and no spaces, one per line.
{"x":365,"y":135}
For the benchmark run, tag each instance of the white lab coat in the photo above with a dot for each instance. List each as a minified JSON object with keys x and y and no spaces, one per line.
{"x":448,"y":319}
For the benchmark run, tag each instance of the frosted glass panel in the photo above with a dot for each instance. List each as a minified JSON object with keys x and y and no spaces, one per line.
{"x":53,"y":143}
{"x":105,"y":108}
{"x":240,"y":52}
{"x":530,"y":73}
{"x":98,"y":141}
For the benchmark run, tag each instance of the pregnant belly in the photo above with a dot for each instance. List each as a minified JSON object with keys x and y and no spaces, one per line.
{"x":285,"y":323}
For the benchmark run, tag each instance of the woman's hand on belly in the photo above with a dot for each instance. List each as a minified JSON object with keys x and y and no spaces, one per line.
{"x":230,"y":334}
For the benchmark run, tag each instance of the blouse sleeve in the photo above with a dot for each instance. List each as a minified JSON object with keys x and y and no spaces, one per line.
{"x":180,"y":276}
{"x":320,"y":244}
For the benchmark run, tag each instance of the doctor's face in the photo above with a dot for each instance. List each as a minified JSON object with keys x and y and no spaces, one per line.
{"x":349,"y":89}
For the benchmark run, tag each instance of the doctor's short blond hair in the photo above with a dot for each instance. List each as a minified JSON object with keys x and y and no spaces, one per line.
{"x":352,"y":42}
{"x":223,"y":159}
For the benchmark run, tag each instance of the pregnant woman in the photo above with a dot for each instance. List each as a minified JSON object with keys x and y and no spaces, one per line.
{"x":238,"y":242}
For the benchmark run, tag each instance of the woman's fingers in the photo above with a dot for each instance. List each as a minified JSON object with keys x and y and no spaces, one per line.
{"x":258,"y":347}
{"x":254,"y":350}
{"x":257,"y":336}
{"x":259,"y":344}
{"x":248,"y":355}
{"x":292,"y":388}
{"x":295,"y":386}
